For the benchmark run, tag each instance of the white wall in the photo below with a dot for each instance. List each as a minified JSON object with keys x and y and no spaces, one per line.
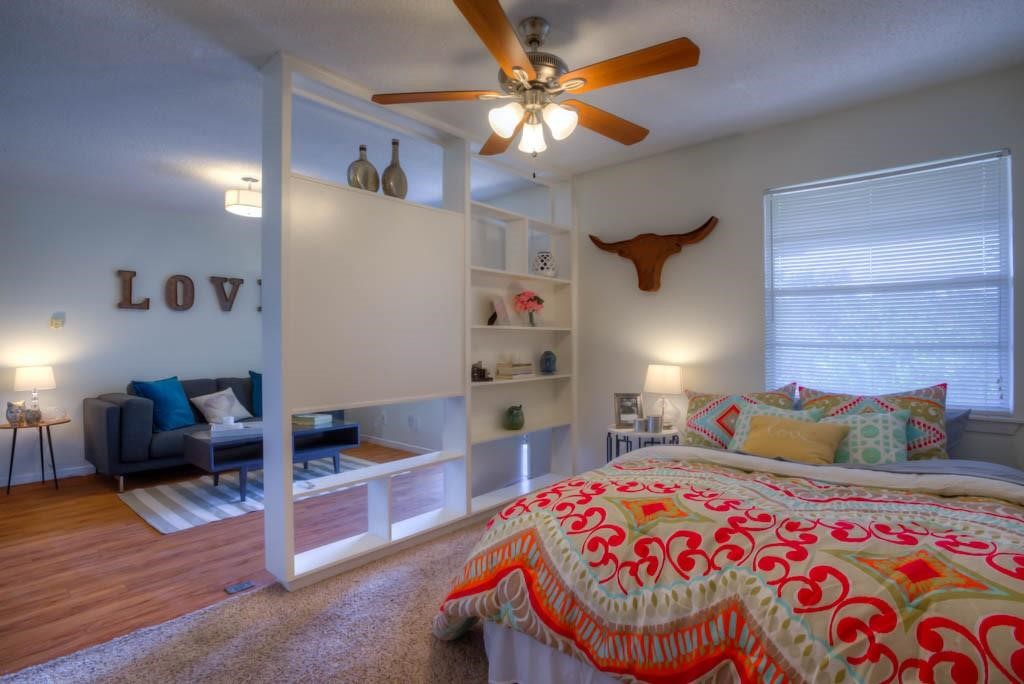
{"x":709,"y":314}
{"x":415,"y":425}
{"x":60,"y":253}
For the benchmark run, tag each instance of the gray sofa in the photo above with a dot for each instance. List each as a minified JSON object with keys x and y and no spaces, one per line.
{"x":119,"y":436}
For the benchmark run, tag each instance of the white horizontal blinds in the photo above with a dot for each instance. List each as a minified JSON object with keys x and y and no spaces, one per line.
{"x":894,"y":281}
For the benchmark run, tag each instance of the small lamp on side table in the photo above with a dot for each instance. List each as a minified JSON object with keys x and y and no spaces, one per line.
{"x":32,"y":379}
{"x":666,"y":381}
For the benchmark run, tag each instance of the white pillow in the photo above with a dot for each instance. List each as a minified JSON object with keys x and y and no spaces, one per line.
{"x":216,"y":406}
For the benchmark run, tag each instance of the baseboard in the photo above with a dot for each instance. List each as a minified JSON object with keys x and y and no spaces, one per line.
{"x":62,"y":473}
{"x":396,"y":445}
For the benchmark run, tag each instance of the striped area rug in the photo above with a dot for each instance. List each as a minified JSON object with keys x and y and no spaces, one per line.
{"x":190,"y":503}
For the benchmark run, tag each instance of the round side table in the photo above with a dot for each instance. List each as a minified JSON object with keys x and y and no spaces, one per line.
{"x":42,"y":463}
{"x":623,"y":437}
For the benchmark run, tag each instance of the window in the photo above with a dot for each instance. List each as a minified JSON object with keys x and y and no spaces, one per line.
{"x":894,"y":280}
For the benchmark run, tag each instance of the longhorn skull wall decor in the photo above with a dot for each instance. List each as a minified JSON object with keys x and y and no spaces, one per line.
{"x":649,"y":251}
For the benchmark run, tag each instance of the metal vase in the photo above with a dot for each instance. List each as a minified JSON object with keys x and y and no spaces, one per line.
{"x":362,"y":174}
{"x":395,"y":182}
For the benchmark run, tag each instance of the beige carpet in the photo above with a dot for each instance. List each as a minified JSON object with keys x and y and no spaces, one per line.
{"x":369,"y":625}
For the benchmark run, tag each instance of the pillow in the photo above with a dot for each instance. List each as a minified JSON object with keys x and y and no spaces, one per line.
{"x":956,"y":425}
{"x":742,"y":427}
{"x":874,"y":438}
{"x":218,"y":405}
{"x":257,"y":393}
{"x":170,"y":405}
{"x":794,"y":440}
{"x":926,"y":430}
{"x":711,"y":418}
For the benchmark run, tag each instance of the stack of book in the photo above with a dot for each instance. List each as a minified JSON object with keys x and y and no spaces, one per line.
{"x":513,"y":371}
{"x":312,"y":419}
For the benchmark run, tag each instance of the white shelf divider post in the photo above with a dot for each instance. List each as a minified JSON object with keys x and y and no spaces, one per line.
{"x":278,"y":527}
{"x":378,"y":508}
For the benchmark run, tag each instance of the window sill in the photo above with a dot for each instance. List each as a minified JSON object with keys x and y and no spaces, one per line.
{"x":994,"y":424}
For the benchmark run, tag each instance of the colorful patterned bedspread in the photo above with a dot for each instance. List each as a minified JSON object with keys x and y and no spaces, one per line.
{"x":668,"y":569}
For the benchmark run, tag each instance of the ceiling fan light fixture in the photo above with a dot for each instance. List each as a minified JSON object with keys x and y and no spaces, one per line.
{"x":244,"y":201}
{"x":504,"y":120}
{"x":561,"y":120}
{"x":532,"y":140}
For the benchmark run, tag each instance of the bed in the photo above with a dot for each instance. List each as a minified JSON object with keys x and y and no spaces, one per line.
{"x":689,"y":564}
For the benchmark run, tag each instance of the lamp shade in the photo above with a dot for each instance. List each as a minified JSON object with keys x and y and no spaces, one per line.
{"x":32,"y":378}
{"x":664,"y":379}
{"x":505,"y":120}
{"x":244,"y":202}
{"x":561,"y":120}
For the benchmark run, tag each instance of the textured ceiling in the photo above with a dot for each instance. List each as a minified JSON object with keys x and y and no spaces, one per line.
{"x":159,"y":99}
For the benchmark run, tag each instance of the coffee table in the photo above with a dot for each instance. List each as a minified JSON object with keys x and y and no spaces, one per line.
{"x":242,"y":450}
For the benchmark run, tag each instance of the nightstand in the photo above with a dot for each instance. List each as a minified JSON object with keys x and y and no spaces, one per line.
{"x":624,"y":437}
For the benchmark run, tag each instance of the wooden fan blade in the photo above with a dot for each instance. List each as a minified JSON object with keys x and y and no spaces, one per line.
{"x":680,"y":53}
{"x":496,"y":144}
{"x":490,"y":23}
{"x":438,"y":96}
{"x":608,"y":125}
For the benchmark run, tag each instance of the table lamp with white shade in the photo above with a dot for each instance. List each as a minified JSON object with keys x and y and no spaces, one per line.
{"x":666,"y":381}
{"x":32,"y":379}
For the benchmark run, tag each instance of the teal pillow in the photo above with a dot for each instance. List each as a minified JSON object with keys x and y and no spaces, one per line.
{"x":874,"y":438}
{"x":257,"y":393}
{"x":742,"y":429}
{"x":170,"y":405}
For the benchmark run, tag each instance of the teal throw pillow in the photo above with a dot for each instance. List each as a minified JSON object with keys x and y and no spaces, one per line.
{"x":874,"y":438}
{"x":171,"y":409}
{"x":257,"y":393}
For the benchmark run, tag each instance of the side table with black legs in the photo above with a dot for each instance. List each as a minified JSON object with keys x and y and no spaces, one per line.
{"x":622,"y":440}
{"x":49,"y":439}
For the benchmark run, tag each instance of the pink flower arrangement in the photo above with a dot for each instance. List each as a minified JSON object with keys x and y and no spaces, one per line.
{"x":529,"y":303}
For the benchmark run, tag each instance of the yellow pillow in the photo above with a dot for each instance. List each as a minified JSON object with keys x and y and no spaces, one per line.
{"x":794,"y":440}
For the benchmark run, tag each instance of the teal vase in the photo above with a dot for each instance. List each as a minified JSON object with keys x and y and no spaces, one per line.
{"x":514,"y":418}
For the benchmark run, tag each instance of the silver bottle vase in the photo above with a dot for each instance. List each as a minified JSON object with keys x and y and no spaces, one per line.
{"x":395,"y":183}
{"x":362,"y":174}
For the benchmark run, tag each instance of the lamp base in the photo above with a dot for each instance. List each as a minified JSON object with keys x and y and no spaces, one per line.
{"x":667,"y":410}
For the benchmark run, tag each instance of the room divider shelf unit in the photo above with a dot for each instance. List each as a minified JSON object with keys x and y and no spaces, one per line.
{"x":370,"y":300}
{"x":502,"y":246}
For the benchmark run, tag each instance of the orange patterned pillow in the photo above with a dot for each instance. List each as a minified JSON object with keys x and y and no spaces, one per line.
{"x":711,"y":418}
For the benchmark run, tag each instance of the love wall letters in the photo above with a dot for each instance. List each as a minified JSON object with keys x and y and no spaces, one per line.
{"x":180,"y":292}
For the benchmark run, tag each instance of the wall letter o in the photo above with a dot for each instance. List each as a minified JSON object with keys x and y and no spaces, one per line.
{"x":183,"y":299}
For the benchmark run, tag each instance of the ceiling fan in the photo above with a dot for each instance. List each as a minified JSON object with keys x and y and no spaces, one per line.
{"x":532,"y":81}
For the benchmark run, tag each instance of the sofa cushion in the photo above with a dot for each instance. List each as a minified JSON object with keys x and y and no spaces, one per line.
{"x":171,"y":444}
{"x":242,"y":387}
{"x":257,"y":394}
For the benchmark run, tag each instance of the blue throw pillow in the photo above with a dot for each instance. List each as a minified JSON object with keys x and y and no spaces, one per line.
{"x":170,"y":405}
{"x":257,"y":393}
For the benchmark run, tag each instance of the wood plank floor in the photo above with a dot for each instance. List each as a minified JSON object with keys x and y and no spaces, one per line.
{"x":78,"y":567}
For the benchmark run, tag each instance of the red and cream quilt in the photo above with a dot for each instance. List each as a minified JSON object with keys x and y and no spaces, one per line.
{"x":681,"y":563}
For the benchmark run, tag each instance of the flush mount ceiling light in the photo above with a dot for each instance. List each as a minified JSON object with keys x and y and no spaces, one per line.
{"x":244,"y":201}
{"x":534,"y":80}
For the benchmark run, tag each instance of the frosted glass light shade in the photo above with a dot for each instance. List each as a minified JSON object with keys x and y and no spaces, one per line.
{"x":505,"y":120}
{"x":532,"y":140}
{"x":664,"y":379}
{"x":561,"y":120}
{"x":244,"y":202}
{"x":31,"y":378}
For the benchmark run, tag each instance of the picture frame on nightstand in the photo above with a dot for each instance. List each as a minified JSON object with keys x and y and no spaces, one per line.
{"x":628,"y":407}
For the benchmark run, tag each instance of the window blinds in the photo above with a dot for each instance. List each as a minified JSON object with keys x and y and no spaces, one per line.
{"x":894,"y":281}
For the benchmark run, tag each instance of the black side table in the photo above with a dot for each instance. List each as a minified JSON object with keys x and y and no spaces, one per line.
{"x":49,"y":439}
{"x":623,"y":437}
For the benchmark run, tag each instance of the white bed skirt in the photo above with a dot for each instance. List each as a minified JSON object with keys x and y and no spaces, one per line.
{"x":514,"y":657}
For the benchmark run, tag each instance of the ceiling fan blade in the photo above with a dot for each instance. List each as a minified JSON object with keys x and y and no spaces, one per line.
{"x":608,"y":125}
{"x":680,"y":53}
{"x":496,"y":144}
{"x":490,"y":23}
{"x":437,"y":96}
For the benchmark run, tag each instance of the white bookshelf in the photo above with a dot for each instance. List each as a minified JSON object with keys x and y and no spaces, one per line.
{"x":325,"y":349}
{"x":505,"y":464}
